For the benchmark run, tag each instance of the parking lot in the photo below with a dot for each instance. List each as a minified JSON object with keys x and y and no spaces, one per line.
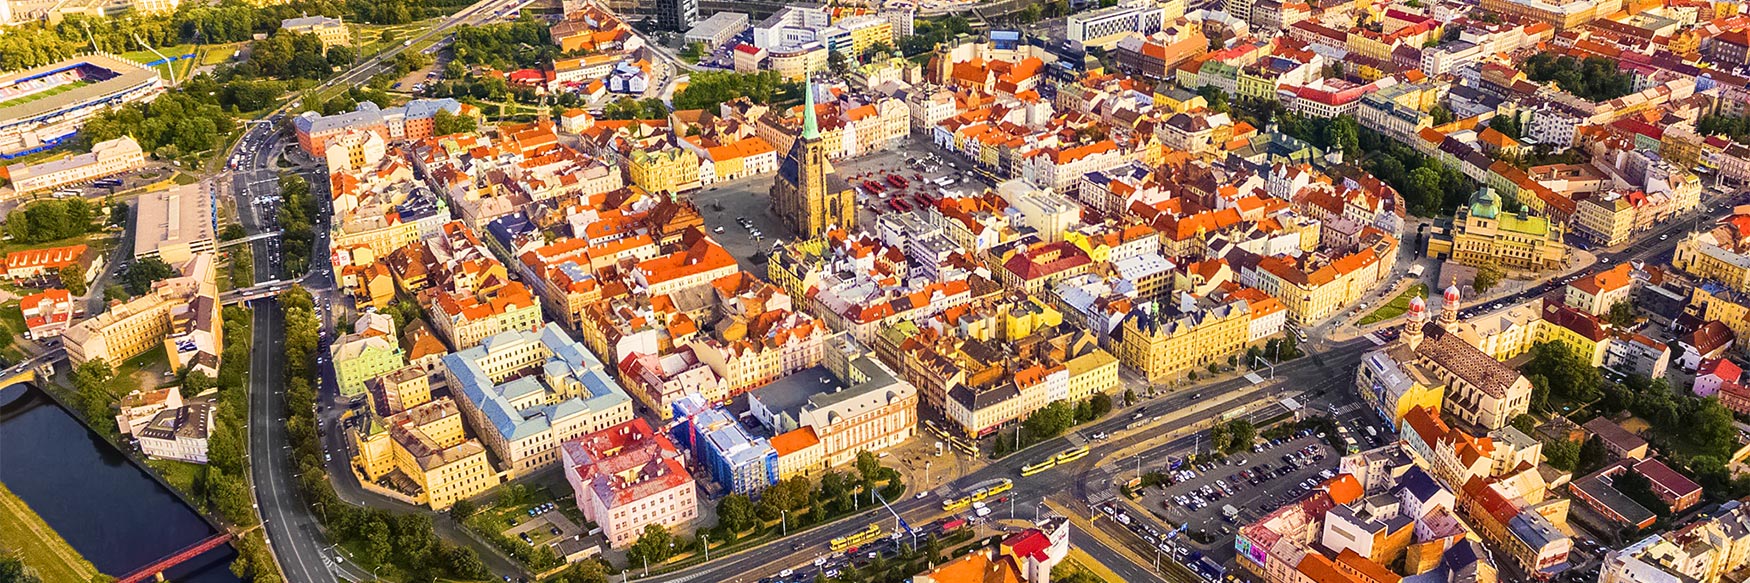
{"x":1252,"y":483}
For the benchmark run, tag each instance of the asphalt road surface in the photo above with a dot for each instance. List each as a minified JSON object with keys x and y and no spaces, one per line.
{"x":1072,"y":482}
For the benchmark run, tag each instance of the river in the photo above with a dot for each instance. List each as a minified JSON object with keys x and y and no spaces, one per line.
{"x":107,"y":507}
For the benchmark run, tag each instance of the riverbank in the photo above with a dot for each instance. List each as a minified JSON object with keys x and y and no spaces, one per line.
{"x":25,"y":535}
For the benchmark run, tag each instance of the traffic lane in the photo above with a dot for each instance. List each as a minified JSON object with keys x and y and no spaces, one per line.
{"x":1160,"y":569}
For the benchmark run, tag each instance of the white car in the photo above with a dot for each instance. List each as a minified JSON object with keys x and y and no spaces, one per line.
{"x":786,"y":572}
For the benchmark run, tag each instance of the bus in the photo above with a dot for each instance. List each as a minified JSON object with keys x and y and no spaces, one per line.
{"x":1071,"y":454}
{"x":850,"y":540}
{"x":1034,"y":469}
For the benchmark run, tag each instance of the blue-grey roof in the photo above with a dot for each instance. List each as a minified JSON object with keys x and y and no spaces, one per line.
{"x":569,"y":360}
{"x":1419,"y":484}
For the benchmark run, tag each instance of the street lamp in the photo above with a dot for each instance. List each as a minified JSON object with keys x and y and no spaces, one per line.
{"x":707,"y":540}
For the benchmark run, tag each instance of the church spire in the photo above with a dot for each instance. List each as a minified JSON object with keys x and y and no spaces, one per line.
{"x":810,"y":128}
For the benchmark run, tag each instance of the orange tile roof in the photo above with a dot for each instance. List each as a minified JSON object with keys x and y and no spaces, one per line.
{"x":50,"y":258}
{"x":794,"y":440}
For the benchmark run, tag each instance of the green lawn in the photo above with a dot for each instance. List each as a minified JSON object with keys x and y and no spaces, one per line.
{"x":181,"y":475}
{"x":25,"y":535}
{"x":185,"y":179}
{"x":154,"y":362}
{"x":13,"y":321}
{"x":1397,"y":306}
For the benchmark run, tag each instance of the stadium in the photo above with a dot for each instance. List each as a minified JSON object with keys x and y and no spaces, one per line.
{"x":43,"y":106}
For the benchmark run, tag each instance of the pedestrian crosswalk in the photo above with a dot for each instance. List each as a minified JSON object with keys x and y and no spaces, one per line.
{"x":1375,"y":339}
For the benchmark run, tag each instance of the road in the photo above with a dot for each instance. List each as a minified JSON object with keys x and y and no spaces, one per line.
{"x":294,"y":536}
{"x":1069,"y":485}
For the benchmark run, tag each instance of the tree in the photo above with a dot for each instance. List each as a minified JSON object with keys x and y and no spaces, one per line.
{"x":1129,"y":396}
{"x":1232,"y":436}
{"x":375,"y":535}
{"x":73,"y":278}
{"x":1569,"y":375}
{"x":12,"y":570}
{"x":867,"y":464}
{"x":462,"y":509}
{"x":1525,"y":423}
{"x":1562,"y":454}
{"x":1592,"y":455}
{"x":341,"y":55}
{"x":1101,"y":404}
{"x":736,"y":513}
{"x":445,"y":123}
{"x":655,"y":545}
{"x":144,"y":273}
{"x":91,"y":385}
{"x":1487,"y":276}
{"x":1636,"y":487}
{"x":49,"y":220}
{"x":837,"y":63}
{"x":1622,"y":314}
{"x":1441,"y":115}
{"x":1506,"y":124}
{"x":1050,"y":420}
{"x":708,"y":89}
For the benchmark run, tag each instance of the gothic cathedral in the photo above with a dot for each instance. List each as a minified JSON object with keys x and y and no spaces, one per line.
{"x":807,"y":195}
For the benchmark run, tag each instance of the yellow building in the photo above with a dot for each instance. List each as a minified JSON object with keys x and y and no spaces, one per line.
{"x":399,"y":390}
{"x":1484,"y":235}
{"x":144,"y":323}
{"x":1702,"y":255}
{"x":796,"y":63}
{"x":673,"y":170}
{"x":798,"y":451}
{"x":1172,"y":344}
{"x":1576,"y":329}
{"x":1727,"y":307}
{"x":382,"y":234}
{"x":330,"y":30}
{"x":1504,"y":335}
{"x":1313,"y":292}
{"x":427,"y":445}
{"x":1607,"y":219}
{"x":1562,"y":14}
{"x":1394,"y":388}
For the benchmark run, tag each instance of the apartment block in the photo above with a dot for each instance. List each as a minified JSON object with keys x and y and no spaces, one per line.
{"x":524,"y":392}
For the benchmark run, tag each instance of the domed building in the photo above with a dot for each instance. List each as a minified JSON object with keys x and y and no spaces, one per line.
{"x":1431,"y":366}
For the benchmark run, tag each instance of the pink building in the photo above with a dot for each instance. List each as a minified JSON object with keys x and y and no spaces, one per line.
{"x":626,"y":477}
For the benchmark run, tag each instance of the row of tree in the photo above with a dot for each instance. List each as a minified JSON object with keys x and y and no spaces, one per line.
{"x":297,"y":220}
{"x":797,"y":502}
{"x":220,"y":488}
{"x":405,"y":540}
{"x":51,"y":220}
{"x":1050,"y":421}
{"x":708,"y":89}
{"x":1595,"y":78}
